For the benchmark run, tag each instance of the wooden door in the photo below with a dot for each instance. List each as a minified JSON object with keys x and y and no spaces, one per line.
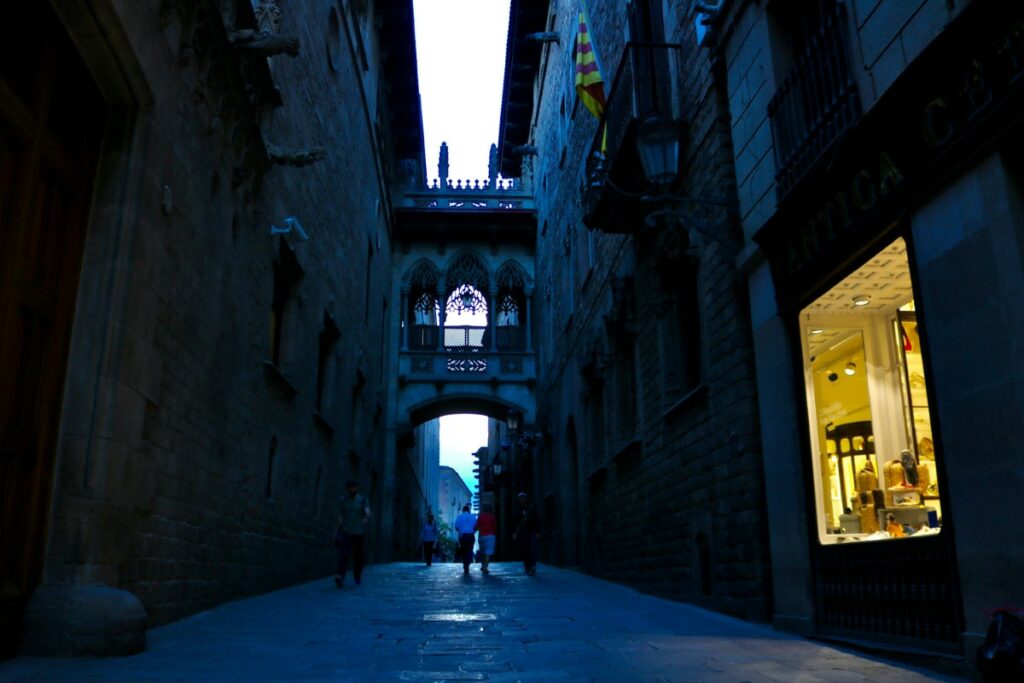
{"x":50,"y":121}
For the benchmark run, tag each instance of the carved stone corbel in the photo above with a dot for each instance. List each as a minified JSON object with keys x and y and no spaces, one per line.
{"x":263,"y":43}
{"x":294,"y":156}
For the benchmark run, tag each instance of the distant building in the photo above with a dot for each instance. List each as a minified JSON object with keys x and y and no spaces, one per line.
{"x":452,"y":494}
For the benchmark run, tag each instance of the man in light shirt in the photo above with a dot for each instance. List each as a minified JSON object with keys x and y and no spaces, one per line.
{"x":465,"y":526}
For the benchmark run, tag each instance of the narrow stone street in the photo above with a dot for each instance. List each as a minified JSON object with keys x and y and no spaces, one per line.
{"x":412,"y":623}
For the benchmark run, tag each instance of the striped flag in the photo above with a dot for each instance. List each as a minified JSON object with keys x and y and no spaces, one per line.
{"x":589,"y":82}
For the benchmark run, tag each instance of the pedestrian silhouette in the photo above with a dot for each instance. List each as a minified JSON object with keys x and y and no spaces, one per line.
{"x":351,"y":534}
{"x":465,"y":527}
{"x":526,"y":533}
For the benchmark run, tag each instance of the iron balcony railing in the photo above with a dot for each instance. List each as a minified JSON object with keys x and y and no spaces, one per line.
{"x":466,"y":338}
{"x":423,"y":337}
{"x":817,"y":101}
{"x":642,"y":87}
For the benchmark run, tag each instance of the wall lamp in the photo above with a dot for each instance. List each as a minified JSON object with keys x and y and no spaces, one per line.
{"x":513,"y":420}
{"x":657,"y":142}
{"x":657,"y":145}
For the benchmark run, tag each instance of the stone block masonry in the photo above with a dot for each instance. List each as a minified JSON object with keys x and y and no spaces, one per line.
{"x":208,"y":427}
{"x":669,"y":498}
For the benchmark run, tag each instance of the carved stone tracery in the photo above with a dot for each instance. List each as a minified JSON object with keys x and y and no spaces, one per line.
{"x":511,"y":276}
{"x":467,"y":269}
{"x":425,"y":276}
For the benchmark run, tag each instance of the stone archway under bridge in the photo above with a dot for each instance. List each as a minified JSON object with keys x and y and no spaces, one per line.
{"x":463,"y":313}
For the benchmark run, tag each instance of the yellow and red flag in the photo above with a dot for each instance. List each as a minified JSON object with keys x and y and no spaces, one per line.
{"x":589,"y":82}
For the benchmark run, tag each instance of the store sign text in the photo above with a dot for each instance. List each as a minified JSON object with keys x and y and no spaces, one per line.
{"x":979,"y":85}
{"x":859,"y":195}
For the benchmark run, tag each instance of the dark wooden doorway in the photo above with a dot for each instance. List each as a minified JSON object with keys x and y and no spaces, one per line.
{"x":51,"y":115}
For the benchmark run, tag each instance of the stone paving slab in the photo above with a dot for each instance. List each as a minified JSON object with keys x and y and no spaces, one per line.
{"x":409,"y":623}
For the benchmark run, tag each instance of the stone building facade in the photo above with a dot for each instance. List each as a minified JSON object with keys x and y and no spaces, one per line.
{"x":646,"y":464}
{"x":216,"y":367}
{"x":452,"y":494}
{"x":883,"y":246}
{"x":417,"y":482}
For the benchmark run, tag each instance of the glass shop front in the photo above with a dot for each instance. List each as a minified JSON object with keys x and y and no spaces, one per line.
{"x":883,"y":560}
{"x":873,"y":454}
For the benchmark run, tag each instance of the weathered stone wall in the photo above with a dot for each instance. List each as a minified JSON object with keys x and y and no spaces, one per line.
{"x":191,"y":470}
{"x":416,"y":489}
{"x":884,"y":37}
{"x":629,"y":498}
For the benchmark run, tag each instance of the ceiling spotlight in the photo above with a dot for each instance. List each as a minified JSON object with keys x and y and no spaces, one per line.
{"x":817,"y":330}
{"x":861,"y":300}
{"x":851,"y":368}
{"x":832,"y":377}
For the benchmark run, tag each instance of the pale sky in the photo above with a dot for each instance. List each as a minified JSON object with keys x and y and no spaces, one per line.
{"x":460,"y":49}
{"x":461,"y":436}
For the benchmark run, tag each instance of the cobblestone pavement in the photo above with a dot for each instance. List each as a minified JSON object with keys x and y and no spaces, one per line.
{"x":413,"y":623}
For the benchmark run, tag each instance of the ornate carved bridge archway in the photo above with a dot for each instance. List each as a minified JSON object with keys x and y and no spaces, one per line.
{"x":465,"y":283}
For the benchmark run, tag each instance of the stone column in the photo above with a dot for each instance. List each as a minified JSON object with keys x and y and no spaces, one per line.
{"x":528,"y":320}
{"x":442,"y":304}
{"x":406,"y":326}
{"x":492,"y":319}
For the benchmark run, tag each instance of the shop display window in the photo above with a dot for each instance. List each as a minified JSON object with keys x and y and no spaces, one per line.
{"x":874,"y":455}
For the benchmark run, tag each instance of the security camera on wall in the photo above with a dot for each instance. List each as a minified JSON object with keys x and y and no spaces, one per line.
{"x":290,"y":223}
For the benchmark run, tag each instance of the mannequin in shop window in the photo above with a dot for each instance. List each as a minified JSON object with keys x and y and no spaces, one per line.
{"x":868,"y":518}
{"x":867,"y":480}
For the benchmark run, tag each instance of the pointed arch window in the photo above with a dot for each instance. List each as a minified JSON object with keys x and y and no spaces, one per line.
{"x":508,"y":312}
{"x":465,"y":320}
{"x":512,"y":310}
{"x":423,"y":315}
{"x":466,"y":307}
{"x":426,"y":310}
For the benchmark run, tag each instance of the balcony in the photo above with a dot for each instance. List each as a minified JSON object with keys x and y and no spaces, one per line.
{"x":641,"y":89}
{"x":479,"y":366}
{"x":491,"y":194}
{"x":816,"y":102}
{"x":467,"y":354}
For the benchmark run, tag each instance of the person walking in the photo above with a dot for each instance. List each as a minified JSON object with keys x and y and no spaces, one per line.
{"x":428,"y":536}
{"x":487,"y":528}
{"x":465,"y":527}
{"x":526,"y":534}
{"x":351,"y":534}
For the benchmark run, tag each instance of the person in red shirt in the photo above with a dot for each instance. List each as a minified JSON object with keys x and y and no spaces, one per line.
{"x":487,"y":528}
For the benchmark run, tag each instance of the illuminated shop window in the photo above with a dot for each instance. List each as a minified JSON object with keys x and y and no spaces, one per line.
{"x":871,"y":438}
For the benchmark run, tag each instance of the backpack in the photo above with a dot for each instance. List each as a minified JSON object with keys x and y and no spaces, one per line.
{"x":1001,"y":656}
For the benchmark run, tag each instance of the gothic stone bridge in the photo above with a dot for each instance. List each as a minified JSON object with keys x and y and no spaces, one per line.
{"x":466,"y":286}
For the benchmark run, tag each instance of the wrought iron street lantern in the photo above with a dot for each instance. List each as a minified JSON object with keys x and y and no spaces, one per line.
{"x":657,"y":143}
{"x":512,"y":421}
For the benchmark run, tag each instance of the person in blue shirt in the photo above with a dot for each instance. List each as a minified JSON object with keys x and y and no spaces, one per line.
{"x":465,"y":527}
